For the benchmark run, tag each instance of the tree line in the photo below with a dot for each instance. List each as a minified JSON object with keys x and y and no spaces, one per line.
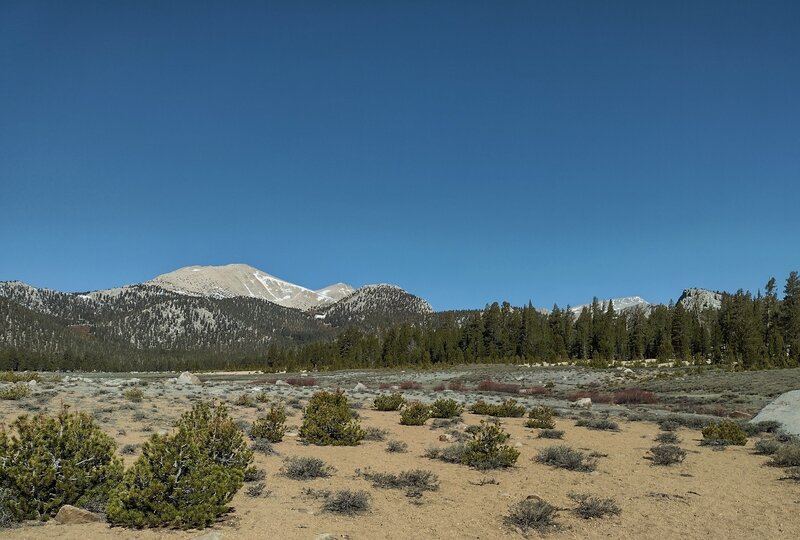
{"x":747,"y":331}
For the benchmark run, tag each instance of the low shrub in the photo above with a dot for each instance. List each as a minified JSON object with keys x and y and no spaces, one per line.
{"x":551,"y":434}
{"x":533,"y":514}
{"x":787,"y":455}
{"x":186,"y":479}
{"x":486,"y":449}
{"x":302,"y":381}
{"x":257,"y":490}
{"x":347,"y":502}
{"x":667,"y":454}
{"x":389,"y":402}
{"x":446,"y":408}
{"x":596,"y":397}
{"x":53,"y":461}
{"x":410,"y":385}
{"x":415,"y":414}
{"x":727,"y":431}
{"x":396,"y":447}
{"x":133,"y":394}
{"x":306,"y":468}
{"x":668,"y":425}
{"x":456,"y":385}
{"x":244,"y":400}
{"x":375,"y":434}
{"x":327,"y":420}
{"x":541,"y":418}
{"x":634,"y":396}
{"x":254,"y":474}
{"x":565,"y":457}
{"x":414,"y":482}
{"x":262,"y":446}
{"x":19,"y":376}
{"x":766,"y":447}
{"x":444,"y":423}
{"x":594,"y":507}
{"x":508,"y":409}
{"x":686,"y":420}
{"x":489,"y":385}
{"x":15,"y":392}
{"x":271,"y":426}
{"x":449,"y":454}
{"x":792,"y":473}
{"x":600,"y":424}
{"x":667,"y":437}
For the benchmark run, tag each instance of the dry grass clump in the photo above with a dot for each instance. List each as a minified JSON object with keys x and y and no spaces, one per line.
{"x":375,"y":434}
{"x":134,"y":395}
{"x":410,"y":385}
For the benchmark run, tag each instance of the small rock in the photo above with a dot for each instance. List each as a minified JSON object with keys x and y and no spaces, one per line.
{"x":582,"y":403}
{"x":628,"y":371}
{"x":188,"y":378}
{"x":360,"y":387}
{"x":32,"y":383}
{"x":71,"y":515}
{"x":213,"y":535}
{"x":518,"y":444}
{"x":325,"y":536}
{"x":281,"y":382}
{"x":446,"y":437}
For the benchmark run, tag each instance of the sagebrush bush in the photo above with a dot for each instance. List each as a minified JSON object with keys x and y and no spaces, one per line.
{"x":185,"y":479}
{"x":533,"y":514}
{"x":667,"y":437}
{"x":486,"y":449}
{"x":766,"y":447}
{"x":396,"y":447}
{"x":787,"y":455}
{"x":347,"y":502}
{"x":306,"y":468}
{"x":594,"y":507}
{"x":245,"y":400}
{"x":415,"y":414}
{"x":541,"y":418}
{"x":15,"y":392}
{"x":727,"y":431}
{"x":446,"y":408}
{"x":601,"y":424}
{"x":507,"y":409}
{"x":53,"y":461}
{"x":375,"y":434}
{"x":327,"y":420}
{"x":551,"y":434}
{"x":565,"y":457}
{"x":271,"y":426}
{"x":414,"y":482}
{"x":667,"y":454}
{"x":389,"y":402}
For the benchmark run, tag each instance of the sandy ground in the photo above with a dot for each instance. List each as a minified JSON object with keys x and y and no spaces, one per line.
{"x":712,"y":494}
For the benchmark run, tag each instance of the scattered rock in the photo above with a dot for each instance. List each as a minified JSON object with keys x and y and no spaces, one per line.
{"x":32,"y":383}
{"x":281,"y":382}
{"x":784,"y":409}
{"x":188,"y":378}
{"x":71,"y":515}
{"x":628,"y":371}
{"x":582,"y":403}
{"x":360,"y":387}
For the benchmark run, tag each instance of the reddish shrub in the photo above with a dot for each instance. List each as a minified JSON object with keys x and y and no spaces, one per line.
{"x":596,"y":397}
{"x":536,"y":391}
{"x":634,"y":396}
{"x":489,"y":385}
{"x":456,"y":385}
{"x":384,"y":386}
{"x":439,"y":387}
{"x":410,"y":385}
{"x":302,"y":381}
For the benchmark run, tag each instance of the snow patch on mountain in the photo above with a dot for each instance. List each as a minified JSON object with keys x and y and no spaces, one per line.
{"x":620,"y":304}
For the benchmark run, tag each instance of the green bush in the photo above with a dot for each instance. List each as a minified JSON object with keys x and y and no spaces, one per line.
{"x":134,"y":394}
{"x":727,"y":431}
{"x":446,"y":408}
{"x":415,"y":414}
{"x":53,"y":461}
{"x":389,"y":402}
{"x":541,"y":418}
{"x":327,"y":420}
{"x":185,"y":479}
{"x":16,"y":376}
{"x":565,"y":457}
{"x":271,"y":426}
{"x":486,"y":449}
{"x":508,"y":409}
{"x":15,"y":392}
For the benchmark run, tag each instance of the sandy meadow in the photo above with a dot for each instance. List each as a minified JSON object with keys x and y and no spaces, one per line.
{"x":713,"y":493}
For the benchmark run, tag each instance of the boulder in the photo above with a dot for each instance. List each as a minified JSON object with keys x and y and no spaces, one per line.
{"x":281,"y":382}
{"x":72,"y":515}
{"x":582,"y":403}
{"x":188,"y":378}
{"x":784,"y":409}
{"x":360,"y":387}
{"x":213,"y":535}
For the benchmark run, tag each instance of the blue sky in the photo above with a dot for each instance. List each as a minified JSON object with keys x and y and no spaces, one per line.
{"x":467,"y":151}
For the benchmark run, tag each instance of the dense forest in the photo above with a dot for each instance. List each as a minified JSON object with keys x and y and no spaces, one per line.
{"x":747,"y":331}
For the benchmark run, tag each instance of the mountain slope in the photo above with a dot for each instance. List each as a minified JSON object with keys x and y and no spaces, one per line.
{"x":375,"y":305}
{"x":700,"y":299}
{"x":620,"y":304}
{"x":235,"y":280}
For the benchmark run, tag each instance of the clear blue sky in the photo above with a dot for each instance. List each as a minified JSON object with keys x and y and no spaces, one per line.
{"x":467,"y":151}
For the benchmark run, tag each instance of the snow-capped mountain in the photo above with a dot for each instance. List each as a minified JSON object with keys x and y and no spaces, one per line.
{"x":620,"y":304}
{"x":234,"y":280}
{"x":696,"y":298}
